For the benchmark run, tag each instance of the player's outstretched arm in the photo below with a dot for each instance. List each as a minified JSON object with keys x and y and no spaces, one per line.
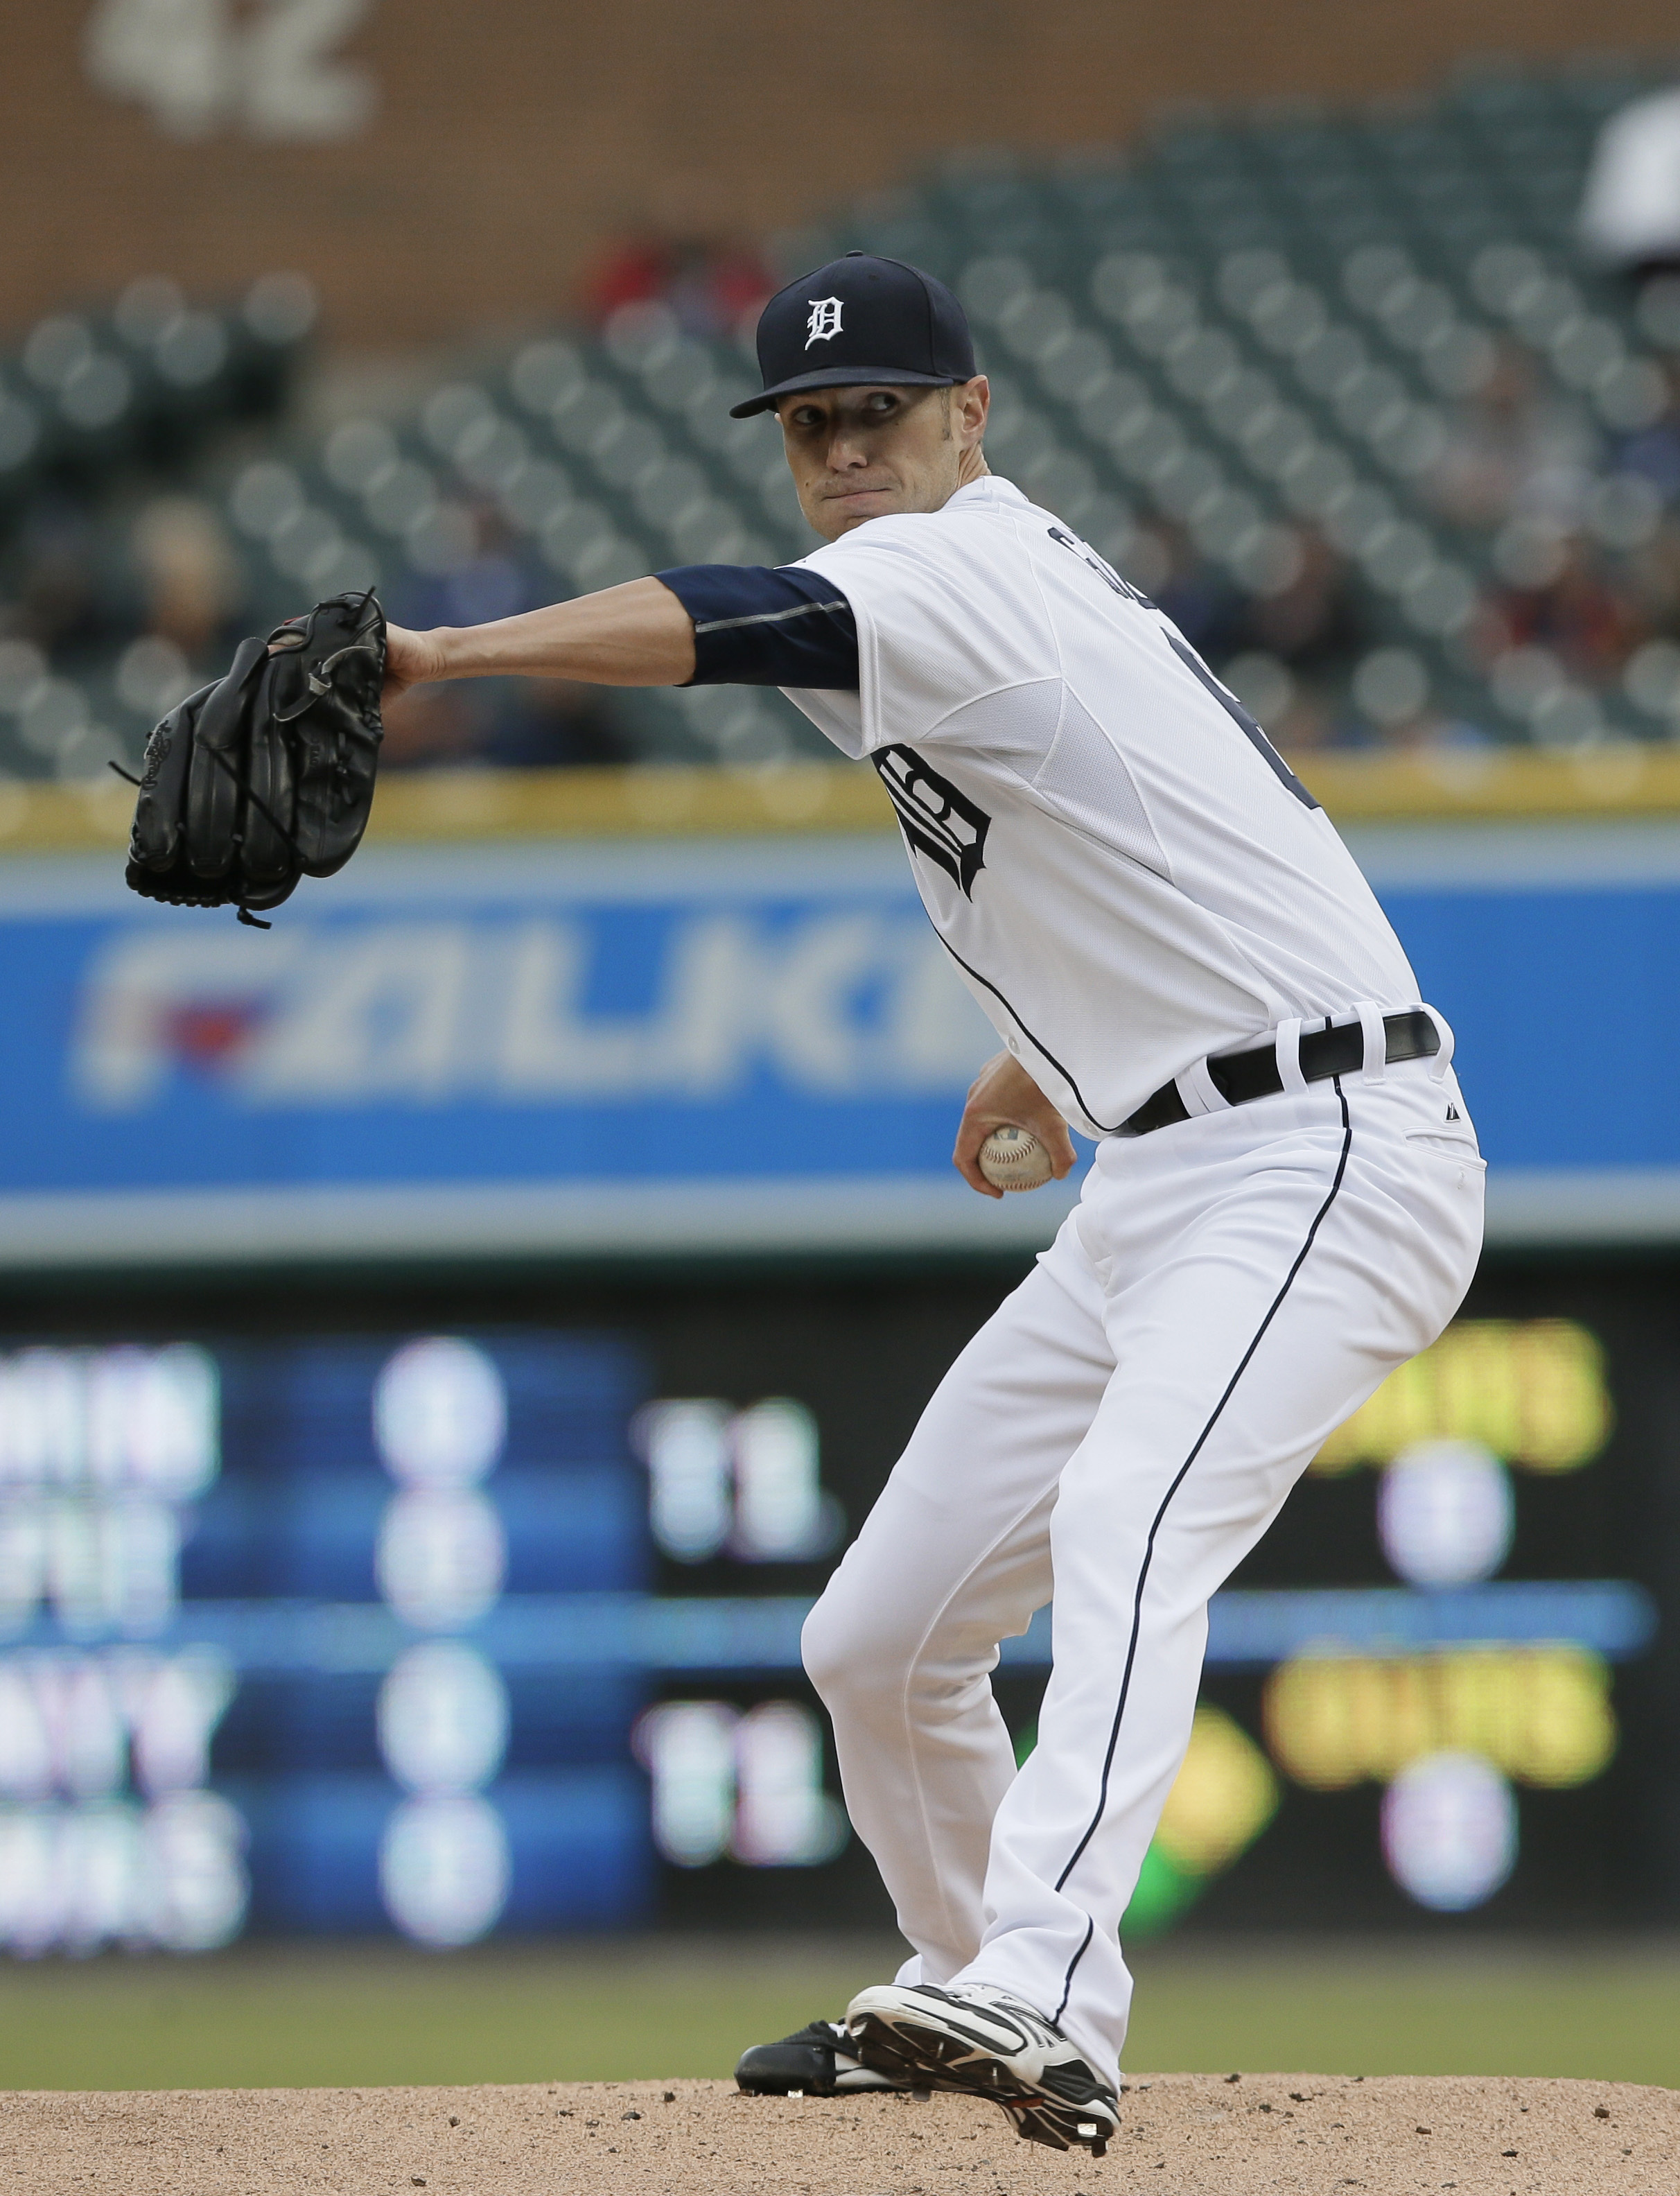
{"x":1004,"y":1096}
{"x":636,"y":635}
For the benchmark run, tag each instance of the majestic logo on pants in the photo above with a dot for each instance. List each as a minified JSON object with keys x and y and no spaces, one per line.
{"x":937,"y":819}
{"x":824,"y":321}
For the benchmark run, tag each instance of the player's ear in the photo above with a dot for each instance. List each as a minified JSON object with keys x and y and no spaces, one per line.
{"x":973,"y":401}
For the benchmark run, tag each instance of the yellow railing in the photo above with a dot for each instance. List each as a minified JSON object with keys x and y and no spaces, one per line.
{"x":1618,"y":779}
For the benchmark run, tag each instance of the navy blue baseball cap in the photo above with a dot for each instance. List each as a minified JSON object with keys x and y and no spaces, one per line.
{"x":856,"y":320}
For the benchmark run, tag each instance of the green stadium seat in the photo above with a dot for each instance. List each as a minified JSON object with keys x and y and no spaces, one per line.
{"x":1259,"y":320}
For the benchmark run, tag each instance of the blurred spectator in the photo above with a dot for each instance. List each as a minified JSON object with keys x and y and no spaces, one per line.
{"x":55,"y":573}
{"x":1307,"y":720}
{"x":189,"y":576}
{"x":558,"y":724}
{"x":1653,"y":579}
{"x":1293,"y":718}
{"x":536,"y":724}
{"x":471,"y":574}
{"x":476,"y":577}
{"x":1653,"y":452}
{"x":1565,"y":604}
{"x":1297,"y":640}
{"x":710,"y":284}
{"x":1630,"y":213}
{"x":1511,"y":450}
{"x":1314,"y":623}
{"x":1200,"y":598}
{"x":635,"y":270}
{"x":433,"y":728}
{"x":688,"y":258}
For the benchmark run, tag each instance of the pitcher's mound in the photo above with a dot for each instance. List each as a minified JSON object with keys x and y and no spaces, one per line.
{"x":1319,"y":2134}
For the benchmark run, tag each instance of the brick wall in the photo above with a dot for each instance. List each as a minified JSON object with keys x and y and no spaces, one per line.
{"x":511,"y":135}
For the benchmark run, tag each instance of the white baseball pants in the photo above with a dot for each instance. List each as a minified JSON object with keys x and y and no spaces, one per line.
{"x":1119,"y":1435}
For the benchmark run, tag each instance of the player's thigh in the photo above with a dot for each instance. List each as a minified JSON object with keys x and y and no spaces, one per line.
{"x":955,"y":1555}
{"x":1268,"y":1321}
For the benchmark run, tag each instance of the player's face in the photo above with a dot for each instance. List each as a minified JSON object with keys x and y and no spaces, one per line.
{"x":858,"y":453}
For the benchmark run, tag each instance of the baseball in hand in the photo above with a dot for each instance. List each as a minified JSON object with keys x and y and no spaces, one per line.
{"x":1013,"y":1159}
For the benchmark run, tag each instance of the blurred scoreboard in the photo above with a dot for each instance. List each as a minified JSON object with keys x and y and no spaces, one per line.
{"x":339,"y":1636}
{"x":498,"y":1630}
{"x":1411,"y":1694}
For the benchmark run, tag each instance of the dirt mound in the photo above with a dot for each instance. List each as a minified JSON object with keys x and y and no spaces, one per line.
{"x":1282,"y":2133}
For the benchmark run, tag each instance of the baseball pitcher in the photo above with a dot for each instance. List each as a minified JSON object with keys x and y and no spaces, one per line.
{"x":1181,"y":961}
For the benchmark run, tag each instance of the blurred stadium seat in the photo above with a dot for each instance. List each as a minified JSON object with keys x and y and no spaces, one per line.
{"x":1338,"y":386}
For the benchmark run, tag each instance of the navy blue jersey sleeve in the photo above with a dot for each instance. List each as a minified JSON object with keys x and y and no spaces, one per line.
{"x":754,"y":625}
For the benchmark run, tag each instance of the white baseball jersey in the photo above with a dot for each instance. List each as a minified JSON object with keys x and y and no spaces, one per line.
{"x":1121,"y":866}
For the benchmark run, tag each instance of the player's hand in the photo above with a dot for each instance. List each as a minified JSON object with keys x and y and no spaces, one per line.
{"x":411,"y":659}
{"x":1004,"y":1096}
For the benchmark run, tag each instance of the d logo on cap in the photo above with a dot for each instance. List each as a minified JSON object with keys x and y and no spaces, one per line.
{"x":860,"y":320}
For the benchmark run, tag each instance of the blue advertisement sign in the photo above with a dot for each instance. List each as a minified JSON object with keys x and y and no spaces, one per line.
{"x":1552,"y":949}
{"x":755,"y":1043}
{"x":583,"y":1047}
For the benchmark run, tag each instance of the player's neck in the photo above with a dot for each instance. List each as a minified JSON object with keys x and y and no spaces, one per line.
{"x":974,"y":467}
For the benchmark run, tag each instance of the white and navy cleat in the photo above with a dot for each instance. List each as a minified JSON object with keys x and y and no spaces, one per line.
{"x":982,"y":2042}
{"x":819,"y":2061}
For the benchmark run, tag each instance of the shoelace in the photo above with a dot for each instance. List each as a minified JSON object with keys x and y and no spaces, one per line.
{"x":830,"y":2035}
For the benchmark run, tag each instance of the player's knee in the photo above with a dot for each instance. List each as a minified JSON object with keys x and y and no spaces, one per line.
{"x":860,"y":1654}
{"x":848,"y":1653}
{"x":826,"y":1645}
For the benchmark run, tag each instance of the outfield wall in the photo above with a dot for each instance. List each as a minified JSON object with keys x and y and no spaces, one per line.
{"x":693,"y":1041}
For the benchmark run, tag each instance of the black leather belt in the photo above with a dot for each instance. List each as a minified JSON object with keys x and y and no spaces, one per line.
{"x":1239,"y":1076}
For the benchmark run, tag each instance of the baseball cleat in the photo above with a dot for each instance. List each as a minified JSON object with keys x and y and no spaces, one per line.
{"x":818,"y":2062}
{"x":978,"y":2040}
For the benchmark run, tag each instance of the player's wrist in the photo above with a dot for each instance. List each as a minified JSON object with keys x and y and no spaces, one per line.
{"x":447,"y":657}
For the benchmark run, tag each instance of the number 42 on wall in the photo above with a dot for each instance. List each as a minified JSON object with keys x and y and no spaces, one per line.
{"x":268,"y":70}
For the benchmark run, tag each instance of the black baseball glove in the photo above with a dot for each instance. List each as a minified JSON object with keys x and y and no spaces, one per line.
{"x":267,"y":776}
